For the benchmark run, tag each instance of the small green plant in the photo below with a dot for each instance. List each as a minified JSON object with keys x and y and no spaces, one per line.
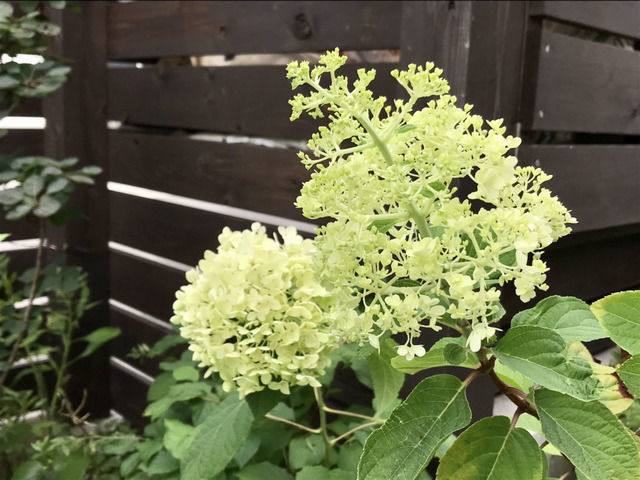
{"x":403,"y":251}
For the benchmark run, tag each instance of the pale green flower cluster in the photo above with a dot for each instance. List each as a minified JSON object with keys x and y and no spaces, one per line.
{"x":253,"y":312}
{"x":406,"y":246}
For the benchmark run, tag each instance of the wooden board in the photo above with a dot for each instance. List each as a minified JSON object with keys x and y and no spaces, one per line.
{"x":241,"y":175}
{"x":22,"y":142}
{"x":621,"y":17}
{"x":144,"y":286}
{"x":157,"y":29}
{"x":30,"y":107}
{"x":19,"y":229}
{"x":247,"y":100}
{"x":133,"y":333}
{"x":600,"y":184}
{"x":171,"y":231}
{"x":584,"y":86}
{"x":128,"y":396}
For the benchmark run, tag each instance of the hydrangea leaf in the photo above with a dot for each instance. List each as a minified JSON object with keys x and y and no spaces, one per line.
{"x":318,"y":472}
{"x":433,"y":358}
{"x":491,"y":450}
{"x":543,"y":356}
{"x":619,"y":315}
{"x":569,"y":317}
{"x":220,"y":435}
{"x":387,"y":381}
{"x":591,"y":437}
{"x":403,"y":446}
{"x":630,"y":374}
{"x":262,"y":471}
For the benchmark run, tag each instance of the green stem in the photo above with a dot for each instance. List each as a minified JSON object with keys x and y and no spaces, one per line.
{"x":353,"y":430}
{"x":64,"y":363}
{"x":421,"y":222}
{"x":294,"y":424}
{"x":27,"y":311}
{"x":352,"y":414}
{"x":380,"y":145}
{"x":323,"y":423}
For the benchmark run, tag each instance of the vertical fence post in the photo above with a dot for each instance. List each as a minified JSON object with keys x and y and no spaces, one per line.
{"x":76,"y":127}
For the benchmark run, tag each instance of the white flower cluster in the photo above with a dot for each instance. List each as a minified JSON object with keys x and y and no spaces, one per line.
{"x":252,"y":312}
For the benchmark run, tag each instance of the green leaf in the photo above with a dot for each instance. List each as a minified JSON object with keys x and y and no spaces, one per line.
{"x":454,"y":353}
{"x":322,"y":473}
{"x":569,"y":317}
{"x":434,"y":358}
{"x":30,"y":470}
{"x":57,"y":185}
{"x":383,"y":226}
{"x":79,"y":178}
{"x":511,"y":377}
{"x":219,"y":437}
{"x":630,"y":374}
{"x":186,"y":373}
{"x":405,"y":128}
{"x":33,"y":185}
{"x":178,"y":437}
{"x":407,"y":441}
{"x":619,"y":315}
{"x":387,"y":381}
{"x":162,"y":463}
{"x":263,"y":471}
{"x":308,"y":450}
{"x":165,"y":343}
{"x":7,"y":81}
{"x":10,"y":196}
{"x":177,"y":393}
{"x":542,"y":355}
{"x":591,"y":437}
{"x":68,"y":162}
{"x":72,"y":467}
{"x":47,"y":206}
{"x":491,"y":450}
{"x":532,"y":424}
{"x":91,"y":170}
{"x":18,"y":212}
{"x":97,"y":338}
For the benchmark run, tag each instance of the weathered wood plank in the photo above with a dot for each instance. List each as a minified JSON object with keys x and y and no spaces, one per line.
{"x":19,"y":229}
{"x":157,"y":29}
{"x":246,"y":100}
{"x":600,"y":184}
{"x":145,"y":286}
{"x":171,"y":231}
{"x":22,"y":142}
{"x":30,"y":107}
{"x":583,"y":86}
{"x":621,"y":17}
{"x":241,"y":175}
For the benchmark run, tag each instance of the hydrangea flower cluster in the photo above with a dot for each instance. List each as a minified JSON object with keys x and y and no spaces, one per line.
{"x":253,"y":312}
{"x":406,"y":246}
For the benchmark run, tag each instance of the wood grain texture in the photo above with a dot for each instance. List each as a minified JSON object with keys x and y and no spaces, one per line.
{"x":246,"y":176}
{"x":600,"y":184}
{"x":145,"y":286}
{"x":584,"y":86}
{"x":621,"y":17}
{"x":245,"y":100}
{"x":157,"y":29}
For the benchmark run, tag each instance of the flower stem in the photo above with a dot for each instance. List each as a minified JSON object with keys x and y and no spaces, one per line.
{"x":421,"y":223}
{"x":289,"y":422}
{"x":353,"y":430}
{"x":323,"y":423}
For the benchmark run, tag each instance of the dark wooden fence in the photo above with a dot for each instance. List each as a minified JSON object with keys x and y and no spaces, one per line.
{"x":564,"y":75}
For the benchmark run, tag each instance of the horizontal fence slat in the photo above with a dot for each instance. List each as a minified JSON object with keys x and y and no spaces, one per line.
{"x":583,"y":86}
{"x":157,"y":29}
{"x":245,"y":100}
{"x":128,"y":396}
{"x":241,"y":175}
{"x":600,"y":184}
{"x":171,"y":231}
{"x":612,"y":16}
{"x":144,"y":286}
{"x":22,"y":142}
{"x":133,"y":333}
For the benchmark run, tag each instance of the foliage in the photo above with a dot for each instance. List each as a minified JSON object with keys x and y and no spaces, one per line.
{"x":39,"y":342}
{"x":403,"y":250}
